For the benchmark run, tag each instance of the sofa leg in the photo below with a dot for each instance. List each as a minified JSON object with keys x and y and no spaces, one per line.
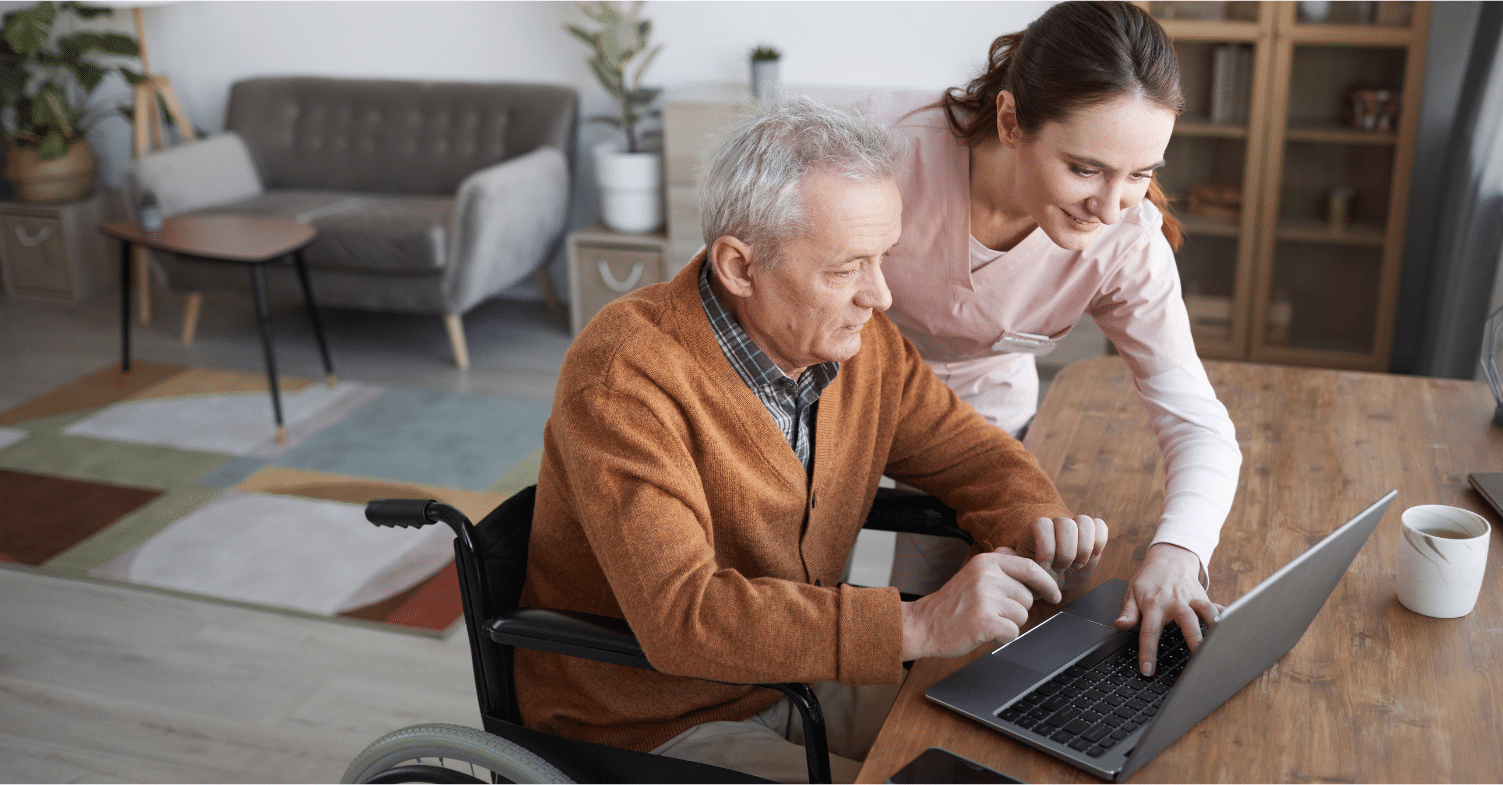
{"x":190,"y":315}
{"x":456,"y":340}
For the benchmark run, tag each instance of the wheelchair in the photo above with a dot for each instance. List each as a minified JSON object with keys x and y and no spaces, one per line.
{"x":491,"y":559}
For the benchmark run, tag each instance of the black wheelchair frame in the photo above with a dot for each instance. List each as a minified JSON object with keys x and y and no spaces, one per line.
{"x":491,"y":560}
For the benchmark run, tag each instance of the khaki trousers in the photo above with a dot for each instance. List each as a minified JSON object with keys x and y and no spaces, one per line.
{"x":770,"y":744}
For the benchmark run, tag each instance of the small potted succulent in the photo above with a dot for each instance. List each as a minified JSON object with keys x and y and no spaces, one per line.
{"x":630,"y":176}
{"x":47,"y":86}
{"x":764,"y":71}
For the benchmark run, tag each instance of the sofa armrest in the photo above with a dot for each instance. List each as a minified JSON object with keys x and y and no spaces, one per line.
{"x":506,"y":219}
{"x":213,"y":171}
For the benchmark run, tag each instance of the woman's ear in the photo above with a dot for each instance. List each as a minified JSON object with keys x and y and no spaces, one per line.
{"x":731,"y":263}
{"x":1008,"y":131}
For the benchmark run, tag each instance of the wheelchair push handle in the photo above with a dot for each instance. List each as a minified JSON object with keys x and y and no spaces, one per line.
{"x":415,"y":513}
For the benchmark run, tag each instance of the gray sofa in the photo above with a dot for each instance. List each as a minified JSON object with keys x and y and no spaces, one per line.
{"x":428,"y":197}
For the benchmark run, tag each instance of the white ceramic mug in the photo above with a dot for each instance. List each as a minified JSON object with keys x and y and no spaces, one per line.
{"x":1441,"y":558}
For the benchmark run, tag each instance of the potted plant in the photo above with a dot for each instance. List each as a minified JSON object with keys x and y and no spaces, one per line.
{"x":764,"y":71}
{"x":630,"y":176}
{"x":46,"y":83}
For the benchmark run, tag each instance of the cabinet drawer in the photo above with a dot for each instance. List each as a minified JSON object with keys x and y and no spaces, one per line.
{"x":601,"y":273}
{"x":36,"y":256}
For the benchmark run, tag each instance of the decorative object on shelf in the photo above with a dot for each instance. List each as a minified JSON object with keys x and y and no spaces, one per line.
{"x":1392,"y":13}
{"x":1339,"y":205}
{"x":1216,"y":200}
{"x":764,"y":71}
{"x":1314,"y":10}
{"x":1374,"y":109}
{"x":1280,"y":317}
{"x":630,"y":176}
{"x":1489,"y":361}
{"x":46,"y":88}
{"x":1231,"y":82}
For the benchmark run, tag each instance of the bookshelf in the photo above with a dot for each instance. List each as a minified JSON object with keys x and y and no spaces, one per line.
{"x":1291,"y":168}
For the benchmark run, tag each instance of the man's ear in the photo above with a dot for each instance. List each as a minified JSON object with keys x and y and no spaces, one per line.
{"x":1007,"y":120}
{"x":731,"y":262}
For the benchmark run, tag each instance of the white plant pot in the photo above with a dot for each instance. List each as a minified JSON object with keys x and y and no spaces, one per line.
{"x":631,"y":188}
{"x":764,"y":79}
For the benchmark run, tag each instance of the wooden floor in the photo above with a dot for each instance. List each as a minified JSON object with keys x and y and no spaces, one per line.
{"x":106,"y":683}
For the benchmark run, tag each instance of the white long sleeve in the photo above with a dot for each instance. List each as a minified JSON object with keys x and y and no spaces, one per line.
{"x":1201,"y":458}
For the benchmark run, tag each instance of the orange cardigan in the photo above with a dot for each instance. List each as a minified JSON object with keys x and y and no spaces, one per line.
{"x":670,"y":498}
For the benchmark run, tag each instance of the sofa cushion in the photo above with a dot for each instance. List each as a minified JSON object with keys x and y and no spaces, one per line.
{"x":369,"y":233}
{"x":378,"y":136}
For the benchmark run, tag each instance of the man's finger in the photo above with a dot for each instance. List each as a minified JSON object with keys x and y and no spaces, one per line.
{"x":1030,"y":574}
{"x":1043,"y":541}
{"x":1066,"y":540}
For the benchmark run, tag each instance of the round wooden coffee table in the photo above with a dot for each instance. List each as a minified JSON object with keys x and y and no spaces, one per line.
{"x":234,"y":239}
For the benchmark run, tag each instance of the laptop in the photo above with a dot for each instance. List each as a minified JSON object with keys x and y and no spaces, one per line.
{"x":1041,"y":689}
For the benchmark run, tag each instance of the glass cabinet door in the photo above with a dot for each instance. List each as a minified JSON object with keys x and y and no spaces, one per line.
{"x":1212,"y":164}
{"x":1339,"y":159}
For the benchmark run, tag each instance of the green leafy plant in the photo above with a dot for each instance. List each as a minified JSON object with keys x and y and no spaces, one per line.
{"x":46,"y":82}
{"x":621,"y":39}
{"x":765,"y":52}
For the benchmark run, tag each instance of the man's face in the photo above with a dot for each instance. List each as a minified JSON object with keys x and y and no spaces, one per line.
{"x":811,"y":308}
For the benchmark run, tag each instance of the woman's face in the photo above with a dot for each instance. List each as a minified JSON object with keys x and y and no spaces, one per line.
{"x":1076,"y":176}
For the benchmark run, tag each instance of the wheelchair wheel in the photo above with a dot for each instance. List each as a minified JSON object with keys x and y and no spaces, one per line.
{"x":448,"y":753}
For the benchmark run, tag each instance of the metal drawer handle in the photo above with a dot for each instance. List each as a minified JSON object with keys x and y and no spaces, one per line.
{"x":33,"y":240}
{"x":620,"y":286}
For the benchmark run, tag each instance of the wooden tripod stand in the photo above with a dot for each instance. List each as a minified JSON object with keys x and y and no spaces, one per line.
{"x":154,"y":97}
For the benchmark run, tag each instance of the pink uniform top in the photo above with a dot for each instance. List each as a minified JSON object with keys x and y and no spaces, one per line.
{"x":1126,"y":280}
{"x":979,"y":317}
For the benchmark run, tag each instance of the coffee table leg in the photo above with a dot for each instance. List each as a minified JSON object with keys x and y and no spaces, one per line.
{"x":125,"y":284}
{"x":318,"y":326}
{"x":263,"y":320}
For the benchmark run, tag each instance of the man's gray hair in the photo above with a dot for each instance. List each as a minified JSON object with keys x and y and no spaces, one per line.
{"x":749,"y":186}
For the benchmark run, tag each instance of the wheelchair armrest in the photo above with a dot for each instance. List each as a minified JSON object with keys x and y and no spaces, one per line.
{"x":902,"y":510}
{"x":599,"y":638}
{"x":606,"y":639}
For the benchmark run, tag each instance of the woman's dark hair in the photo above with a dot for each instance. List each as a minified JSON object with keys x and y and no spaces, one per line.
{"x":1077,"y":54}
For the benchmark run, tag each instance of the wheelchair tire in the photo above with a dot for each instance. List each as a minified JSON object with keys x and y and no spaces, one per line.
{"x":449,"y":753}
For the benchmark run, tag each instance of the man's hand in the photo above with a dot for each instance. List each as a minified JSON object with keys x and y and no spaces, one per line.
{"x":1069,"y":547}
{"x":1167,"y":588}
{"x":988,"y":600}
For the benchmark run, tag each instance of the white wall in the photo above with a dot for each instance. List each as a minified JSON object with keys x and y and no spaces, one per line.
{"x":204,"y":46}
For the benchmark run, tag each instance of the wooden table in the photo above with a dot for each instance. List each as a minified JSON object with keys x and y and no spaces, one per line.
{"x":1373,"y":692}
{"x":249,"y":240}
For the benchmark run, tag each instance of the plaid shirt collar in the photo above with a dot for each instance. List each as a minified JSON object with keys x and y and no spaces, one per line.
{"x":792,"y":403}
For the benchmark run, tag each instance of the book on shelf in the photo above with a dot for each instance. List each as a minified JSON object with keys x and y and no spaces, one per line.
{"x":1231,"y":82}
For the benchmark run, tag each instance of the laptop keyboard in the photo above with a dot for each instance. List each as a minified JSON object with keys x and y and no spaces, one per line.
{"x":1095,"y":703}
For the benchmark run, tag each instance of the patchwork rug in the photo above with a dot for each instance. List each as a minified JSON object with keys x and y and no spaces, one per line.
{"x":171,"y":477}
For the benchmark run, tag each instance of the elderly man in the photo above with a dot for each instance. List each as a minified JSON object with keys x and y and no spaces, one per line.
{"x":715,"y":444}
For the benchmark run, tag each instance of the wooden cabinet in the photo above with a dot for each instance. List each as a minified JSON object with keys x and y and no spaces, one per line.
{"x":1291,"y":168}
{"x":604,"y":265}
{"x":53,"y":251}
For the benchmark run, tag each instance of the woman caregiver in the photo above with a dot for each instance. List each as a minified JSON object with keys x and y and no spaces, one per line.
{"x":1023,"y":209}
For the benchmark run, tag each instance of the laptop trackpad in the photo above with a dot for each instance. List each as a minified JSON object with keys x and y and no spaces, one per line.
{"x":1054,"y":643}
